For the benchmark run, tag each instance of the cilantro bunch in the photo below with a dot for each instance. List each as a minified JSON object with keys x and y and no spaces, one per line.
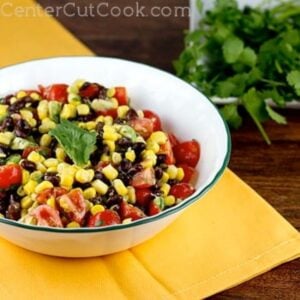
{"x":250,"y":54}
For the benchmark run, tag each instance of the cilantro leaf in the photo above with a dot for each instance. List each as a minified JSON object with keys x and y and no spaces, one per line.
{"x":293,"y":79}
{"x":231,"y":115}
{"x":248,"y":57}
{"x":77,"y":142}
{"x":232,"y":49}
{"x":275,"y":115}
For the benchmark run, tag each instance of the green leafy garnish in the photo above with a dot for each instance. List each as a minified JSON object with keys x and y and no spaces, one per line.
{"x":252,"y":54}
{"x":77,"y":142}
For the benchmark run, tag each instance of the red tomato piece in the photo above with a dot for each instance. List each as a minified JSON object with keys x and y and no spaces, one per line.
{"x":129,"y":211}
{"x":143,"y":197}
{"x":56,"y":92}
{"x":47,"y":216}
{"x":187,"y":153}
{"x":10,"y":175}
{"x":110,"y":112}
{"x":173,"y":139}
{"x":90,"y":91}
{"x":143,"y":126}
{"x":144,"y":179}
{"x":55,"y":192}
{"x":167,"y":150}
{"x":182,"y":190}
{"x":156,"y":206}
{"x":28,"y":150}
{"x":104,"y":218}
{"x":148,"y":114}
{"x":121,"y":95}
{"x":74,"y":205}
{"x":188,"y":172}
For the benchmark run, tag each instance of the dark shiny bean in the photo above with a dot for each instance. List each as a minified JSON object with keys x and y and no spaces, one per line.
{"x":13,"y":108}
{"x":6,"y":99}
{"x":138,"y":148}
{"x":158,"y":173}
{"x":124,"y":177}
{"x":172,"y":181}
{"x":125,"y":165}
{"x":13,"y":211}
{"x":99,"y":175}
{"x":86,"y":118}
{"x":131,"y":114}
{"x":28,"y":165}
{"x":8,"y":124}
{"x":97,"y":200}
{"x":161,"y":158}
{"x":124,"y":143}
{"x":113,"y":200}
{"x":52,"y":177}
{"x":22,"y":128}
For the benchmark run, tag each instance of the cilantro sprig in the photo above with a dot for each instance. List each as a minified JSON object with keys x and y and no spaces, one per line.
{"x":78,"y":143}
{"x":251,"y":54}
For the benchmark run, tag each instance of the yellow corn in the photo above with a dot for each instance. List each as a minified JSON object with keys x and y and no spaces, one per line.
{"x":122,"y":111}
{"x":73,"y":225}
{"x":35,"y":157}
{"x":159,"y":137}
{"x":180,"y":174}
{"x":52,"y":169}
{"x":6,"y":138}
{"x":147,"y":163}
{"x":66,"y":180}
{"x":110,"y":172}
{"x":47,"y":125}
{"x":36,"y":176}
{"x":108,"y":120}
{"x":105,"y":158}
{"x":60,"y":154}
{"x":131,"y":194}
{"x":83,"y":109}
{"x":109,"y":133}
{"x":51,"y":202}
{"x":25,"y":176}
{"x":84,"y":176}
{"x":21,"y":94}
{"x":164,"y":178}
{"x":43,"y":109}
{"x":35,"y":96}
{"x":40,"y":167}
{"x":115,"y":103}
{"x":45,"y":140}
{"x":120,"y":187}
{"x":96,"y":209}
{"x":111,"y":145}
{"x":43,"y":186}
{"x":30,"y":186}
{"x":154,"y":146}
{"x":26,"y":202}
{"x":74,"y":99}
{"x":111,"y":92}
{"x":165,"y":188}
{"x":51,"y":162}
{"x":69,"y":111}
{"x":26,"y":114}
{"x":13,"y":100}
{"x":169,"y":200}
{"x":130,"y":155}
{"x":149,"y":155}
{"x":89,"y":193}
{"x":90,"y":125}
{"x":100,"y":119}
{"x":3,"y":110}
{"x":172,"y":171}
{"x":100,"y":187}
{"x":116,"y":158}
{"x":20,"y":191}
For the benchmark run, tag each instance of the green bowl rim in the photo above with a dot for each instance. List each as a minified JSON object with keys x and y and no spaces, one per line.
{"x":154,"y":218}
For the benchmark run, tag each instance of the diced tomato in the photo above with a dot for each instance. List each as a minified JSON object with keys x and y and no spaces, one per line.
{"x":46,"y":194}
{"x":129,"y":211}
{"x":104,"y":218}
{"x":47,"y":216}
{"x":74,"y":205}
{"x":143,"y":196}
{"x":167,"y":150}
{"x":90,"y":91}
{"x":28,"y":150}
{"x":101,"y":165}
{"x":144,"y":179}
{"x":173,"y":139}
{"x":188,"y":172}
{"x":121,"y":95}
{"x":148,"y":114}
{"x":110,"y":112}
{"x":182,"y":190}
{"x":155,"y":206}
{"x":187,"y":153}
{"x":143,"y":126}
{"x":10,"y":175}
{"x":56,"y":92}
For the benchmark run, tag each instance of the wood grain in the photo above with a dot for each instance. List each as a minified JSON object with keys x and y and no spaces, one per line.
{"x":273,"y":171}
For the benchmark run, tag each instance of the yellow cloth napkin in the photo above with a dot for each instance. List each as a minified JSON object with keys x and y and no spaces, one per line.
{"x":228,"y":237}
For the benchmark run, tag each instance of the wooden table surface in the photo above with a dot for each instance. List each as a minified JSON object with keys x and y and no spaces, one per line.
{"x":273,"y":171}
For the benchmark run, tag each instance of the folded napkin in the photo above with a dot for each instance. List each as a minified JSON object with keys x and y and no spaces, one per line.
{"x":228,"y":237}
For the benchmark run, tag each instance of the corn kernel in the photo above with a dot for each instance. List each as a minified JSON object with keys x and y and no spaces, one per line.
{"x":114,"y":102}
{"x":154,"y":146}
{"x":52,"y":169}
{"x":25,"y":176}
{"x":172,"y":171}
{"x":30,"y":186}
{"x":89,"y":193}
{"x":83,"y":109}
{"x":108,"y":120}
{"x":84,"y":176}
{"x":35,"y":157}
{"x":60,"y":154}
{"x":43,"y":109}
{"x":20,"y":191}
{"x":169,"y":200}
{"x":26,"y":202}
{"x":40,"y":167}
{"x":68,"y":111}
{"x":131,"y":194}
{"x":13,"y":100}
{"x":159,"y":137}
{"x":73,"y":224}
{"x":90,"y":125}
{"x":116,"y":158}
{"x":120,"y":187}
{"x":43,"y":186}
{"x":66,"y":180}
{"x":21,"y":95}
{"x":100,"y":119}
{"x":47,"y":125}
{"x":111,"y":145}
{"x":165,"y":177}
{"x":105,"y":158}
{"x":100,"y":187}
{"x":122,"y":111}
{"x":35,"y":96}
{"x":3,"y":110}
{"x":26,"y":114}
{"x":74,"y":99}
{"x":147,"y":163}
{"x":149,"y":155}
{"x":180,"y":174}
{"x":165,"y":188}
{"x":110,"y":172}
{"x":51,"y":162}
{"x":97,"y":208}
{"x":6,"y":138}
{"x":45,"y":140}
{"x":111,"y":92}
{"x":36,"y":176}
{"x":51,"y":202}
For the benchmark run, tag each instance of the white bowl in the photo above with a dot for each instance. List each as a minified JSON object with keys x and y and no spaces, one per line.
{"x":183,"y":110}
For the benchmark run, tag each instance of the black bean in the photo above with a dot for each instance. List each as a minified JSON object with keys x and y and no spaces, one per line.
{"x":15,"y":107}
{"x":97,"y":200}
{"x":138,"y":148}
{"x":13,"y":211}
{"x":125,"y":165}
{"x":14,"y":198}
{"x":86,"y":118}
{"x":4,"y":201}
{"x":99,"y":175}
{"x":120,"y":121}
{"x":131,"y":114}
{"x":6,"y":99}
{"x":27,"y":99}
{"x":161,"y":158}
{"x":172,"y":181}
{"x":124,"y":177}
{"x":28,"y":165}
{"x":22,"y":128}
{"x":8,"y":124}
{"x":124,"y":143}
{"x":52,"y":177}
{"x":158,"y":173}
{"x":113,"y":200}
{"x":99,"y":127}
{"x":5,"y":149}
{"x":102,"y":92}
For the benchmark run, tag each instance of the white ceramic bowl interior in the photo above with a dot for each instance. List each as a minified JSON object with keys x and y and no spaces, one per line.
{"x":183,"y":110}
